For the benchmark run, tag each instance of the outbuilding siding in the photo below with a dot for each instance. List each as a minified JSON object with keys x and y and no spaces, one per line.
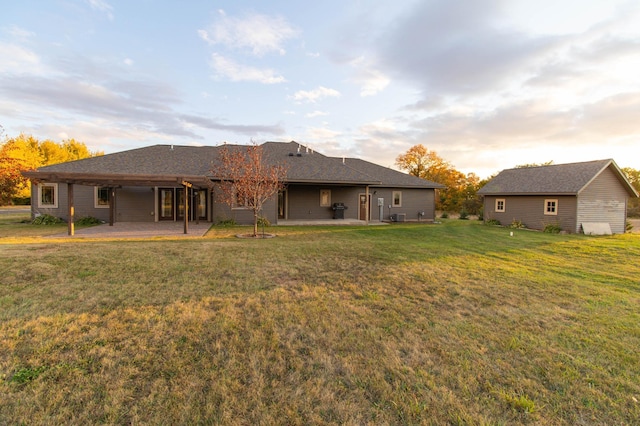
{"x":529,"y":210}
{"x":603,"y":200}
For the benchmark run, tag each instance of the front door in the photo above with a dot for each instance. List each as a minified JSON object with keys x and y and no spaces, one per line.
{"x":197,"y":204}
{"x":363,"y":207}
{"x":171,"y":202}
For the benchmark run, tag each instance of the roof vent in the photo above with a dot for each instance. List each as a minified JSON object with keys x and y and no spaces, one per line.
{"x":171,"y":147}
{"x":291,"y":154}
{"x":299,"y":154}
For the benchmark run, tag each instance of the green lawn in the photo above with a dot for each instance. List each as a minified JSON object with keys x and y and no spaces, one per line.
{"x":456,"y":323}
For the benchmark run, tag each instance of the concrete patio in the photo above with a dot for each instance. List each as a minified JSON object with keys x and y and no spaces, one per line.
{"x":139,"y":230}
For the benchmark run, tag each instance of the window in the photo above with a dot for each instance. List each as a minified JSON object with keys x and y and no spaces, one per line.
{"x":241,"y":202}
{"x":551,"y":207}
{"x":325,"y":198}
{"x":101,"y":197}
{"x":397,"y":198}
{"x":48,"y":195}
{"x":500,"y":204}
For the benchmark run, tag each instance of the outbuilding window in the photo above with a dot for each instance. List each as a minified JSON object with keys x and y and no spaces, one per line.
{"x":48,"y":195}
{"x":551,"y":207}
{"x":500,"y":204}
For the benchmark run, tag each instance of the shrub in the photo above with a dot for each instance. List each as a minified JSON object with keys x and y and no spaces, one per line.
{"x":464,"y":215}
{"x":629,"y":226}
{"x":517,"y":224}
{"x":226,"y":222}
{"x":88,"y":221}
{"x":552,"y":228}
{"x":493,"y":222}
{"x":444,"y":215}
{"x":47,"y":219}
{"x":263,"y":221}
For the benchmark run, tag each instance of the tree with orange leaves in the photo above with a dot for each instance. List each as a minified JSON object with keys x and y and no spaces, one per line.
{"x":460,"y":191}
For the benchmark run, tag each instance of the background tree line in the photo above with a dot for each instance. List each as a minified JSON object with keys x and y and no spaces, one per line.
{"x":461,"y":192}
{"x":25,"y":152}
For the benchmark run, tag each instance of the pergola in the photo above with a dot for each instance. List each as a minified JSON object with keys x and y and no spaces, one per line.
{"x":114,"y":181}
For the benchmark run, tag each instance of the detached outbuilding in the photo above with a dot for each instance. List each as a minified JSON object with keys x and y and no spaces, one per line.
{"x":589,"y":197}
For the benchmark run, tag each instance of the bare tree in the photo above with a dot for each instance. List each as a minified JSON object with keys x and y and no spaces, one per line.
{"x":246,"y":179}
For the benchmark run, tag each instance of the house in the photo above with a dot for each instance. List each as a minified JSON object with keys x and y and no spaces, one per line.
{"x":149,"y":185}
{"x":588,"y":197}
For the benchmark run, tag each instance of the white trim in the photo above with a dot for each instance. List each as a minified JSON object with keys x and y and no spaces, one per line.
{"x":325,"y":194}
{"x":56,"y":195}
{"x":95,"y":197}
{"x":504,"y":205}
{"x":393,"y":199}
{"x":553,"y":204}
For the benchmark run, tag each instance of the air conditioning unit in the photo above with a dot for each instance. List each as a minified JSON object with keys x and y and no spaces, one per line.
{"x":398,"y":217}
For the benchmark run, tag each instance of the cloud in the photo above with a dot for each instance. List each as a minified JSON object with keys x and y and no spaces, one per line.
{"x":315,"y":95}
{"x":102,"y":6}
{"x":453,"y":47}
{"x":18,"y":33}
{"x":17,"y":59}
{"x":233,"y":71}
{"x":256,"y":33}
{"x":316,"y":114}
{"x":126,"y":106}
{"x":370,"y":80}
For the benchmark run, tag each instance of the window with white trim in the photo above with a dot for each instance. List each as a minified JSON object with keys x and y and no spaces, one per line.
{"x":48,"y":195}
{"x":500,"y":204}
{"x":101,"y":197}
{"x":551,"y":207}
{"x":325,"y":198}
{"x":396,"y":198}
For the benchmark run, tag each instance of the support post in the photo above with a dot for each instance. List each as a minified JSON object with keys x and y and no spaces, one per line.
{"x":368,"y":215}
{"x":70,"y":224}
{"x":112,"y":199}
{"x":196,"y":203}
{"x":186,"y":209}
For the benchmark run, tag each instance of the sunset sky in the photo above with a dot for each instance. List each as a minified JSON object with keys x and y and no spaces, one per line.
{"x":487,"y":84}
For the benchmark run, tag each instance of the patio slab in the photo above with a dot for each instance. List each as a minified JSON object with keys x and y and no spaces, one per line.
{"x":139,"y":230}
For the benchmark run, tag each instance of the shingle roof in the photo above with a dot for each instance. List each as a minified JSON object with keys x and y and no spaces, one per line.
{"x":558,"y":179}
{"x":391,"y":177}
{"x":304,"y":165}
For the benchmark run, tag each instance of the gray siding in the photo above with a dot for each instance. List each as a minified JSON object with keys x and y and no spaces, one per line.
{"x":83,"y":197}
{"x":221,"y":211}
{"x":603,"y":200}
{"x":135,"y":204}
{"x":529,"y":209}
{"x":413,"y":202}
{"x":303,"y":202}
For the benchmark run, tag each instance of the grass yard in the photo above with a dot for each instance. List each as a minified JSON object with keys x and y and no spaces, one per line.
{"x":456,"y":323}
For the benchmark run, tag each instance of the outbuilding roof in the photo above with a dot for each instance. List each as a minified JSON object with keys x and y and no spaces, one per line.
{"x":556,"y":179}
{"x":171,"y":164}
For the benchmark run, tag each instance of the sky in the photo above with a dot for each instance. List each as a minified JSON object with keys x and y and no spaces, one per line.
{"x":486,"y":84}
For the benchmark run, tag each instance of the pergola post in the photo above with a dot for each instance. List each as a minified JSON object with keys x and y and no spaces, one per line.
{"x":112,"y":198}
{"x":71,"y":209}
{"x":187,"y":185}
